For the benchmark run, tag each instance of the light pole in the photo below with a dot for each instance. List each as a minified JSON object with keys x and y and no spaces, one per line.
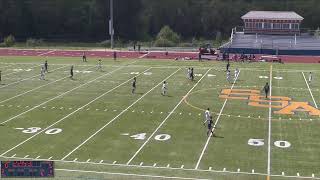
{"x":111,"y":30}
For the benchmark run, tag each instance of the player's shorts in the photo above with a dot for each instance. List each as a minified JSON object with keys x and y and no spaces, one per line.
{"x":209,"y":126}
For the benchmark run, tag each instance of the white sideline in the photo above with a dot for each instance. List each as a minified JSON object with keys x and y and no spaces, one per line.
{"x":27,"y":78}
{"x":37,"y":88}
{"x":123,"y":111}
{"x":166,"y":168}
{"x":269,"y":125}
{"x":61,"y":95}
{"x":310,"y":90}
{"x":171,"y":112}
{"x":214,"y":127}
{"x":129,"y":174}
{"x":65,"y":117}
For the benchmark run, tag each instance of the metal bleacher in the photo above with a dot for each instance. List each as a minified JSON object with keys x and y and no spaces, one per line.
{"x":304,"y":44}
{"x":281,"y":42}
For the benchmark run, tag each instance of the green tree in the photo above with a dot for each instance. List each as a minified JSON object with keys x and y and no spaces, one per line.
{"x":167,"y":37}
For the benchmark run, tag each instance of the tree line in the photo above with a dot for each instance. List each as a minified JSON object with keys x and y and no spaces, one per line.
{"x":87,"y":20}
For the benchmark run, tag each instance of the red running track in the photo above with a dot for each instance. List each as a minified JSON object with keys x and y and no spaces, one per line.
{"x":133,"y":55}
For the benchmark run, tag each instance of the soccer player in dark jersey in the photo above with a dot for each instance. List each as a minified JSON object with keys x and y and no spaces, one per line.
{"x":0,"y":78}
{"x":228,"y":66}
{"x":266,"y":89}
{"x":84,"y":57}
{"x":134,"y":85}
{"x":210,"y":126}
{"x":71,"y":72}
{"x":114,"y":55}
{"x":46,"y":66}
{"x":192,"y":74}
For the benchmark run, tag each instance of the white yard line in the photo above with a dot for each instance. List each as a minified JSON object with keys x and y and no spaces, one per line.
{"x":5,"y":75}
{"x":122,"y":112}
{"x":38,"y":87}
{"x":65,"y":117}
{"x":46,"y":53}
{"x":214,"y":127}
{"x":269,"y":127}
{"x":27,"y":78}
{"x":60,"y":95}
{"x":159,"y":167}
{"x":129,"y":174}
{"x":171,"y":112}
{"x":314,"y":101}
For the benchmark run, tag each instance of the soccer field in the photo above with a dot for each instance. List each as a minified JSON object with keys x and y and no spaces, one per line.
{"x":94,"y":128}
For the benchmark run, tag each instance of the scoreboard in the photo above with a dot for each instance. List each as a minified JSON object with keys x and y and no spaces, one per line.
{"x":27,"y":169}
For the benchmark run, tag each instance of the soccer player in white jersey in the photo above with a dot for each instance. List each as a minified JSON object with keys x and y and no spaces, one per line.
{"x":99,"y":65}
{"x":164,"y":88}
{"x":207,"y":115}
{"x":236,"y":72}
{"x":310,"y":77}
{"x":228,"y":76}
{"x":42,"y":72}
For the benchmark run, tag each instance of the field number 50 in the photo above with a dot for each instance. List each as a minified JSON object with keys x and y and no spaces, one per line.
{"x":260,"y":142}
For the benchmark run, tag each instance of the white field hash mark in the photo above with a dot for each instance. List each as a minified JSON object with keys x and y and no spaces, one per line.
{"x":214,"y":126}
{"x":122,"y":112}
{"x":36,"y":88}
{"x":68,"y":114}
{"x":75,"y":88}
{"x":170,"y":168}
{"x":171,"y":112}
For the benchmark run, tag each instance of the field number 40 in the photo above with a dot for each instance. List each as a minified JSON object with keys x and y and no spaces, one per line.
{"x":159,"y":137}
{"x":260,"y":142}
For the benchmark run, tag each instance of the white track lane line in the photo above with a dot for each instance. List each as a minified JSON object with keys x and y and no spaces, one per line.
{"x":46,"y":53}
{"x":10,"y":119}
{"x":27,"y":78}
{"x":269,"y":127}
{"x":38,"y":87}
{"x":214,"y":127}
{"x":314,"y":101}
{"x":171,"y":112}
{"x":144,"y":55}
{"x":127,"y":174}
{"x":122,"y":112}
{"x":70,"y":114}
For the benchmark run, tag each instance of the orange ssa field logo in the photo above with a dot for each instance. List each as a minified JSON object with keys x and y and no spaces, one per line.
{"x":285,"y":104}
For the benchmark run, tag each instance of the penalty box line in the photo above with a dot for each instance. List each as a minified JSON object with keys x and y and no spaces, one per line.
{"x":5,"y":75}
{"x":28,"y":78}
{"x":115,"y":118}
{"x":214,"y":127}
{"x":31,"y":90}
{"x":162,"y":123}
{"x":65,"y":117}
{"x":75,"y":88}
